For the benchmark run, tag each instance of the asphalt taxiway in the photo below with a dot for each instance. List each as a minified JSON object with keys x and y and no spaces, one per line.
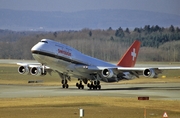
{"x":167,"y":91}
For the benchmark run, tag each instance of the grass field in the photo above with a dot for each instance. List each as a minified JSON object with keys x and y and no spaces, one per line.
{"x":94,"y":106}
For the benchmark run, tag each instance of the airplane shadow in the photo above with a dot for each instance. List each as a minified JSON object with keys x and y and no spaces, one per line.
{"x":121,"y":89}
{"x":138,"y":88}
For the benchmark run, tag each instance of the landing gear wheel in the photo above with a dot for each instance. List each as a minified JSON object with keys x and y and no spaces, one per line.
{"x":80,"y":85}
{"x":77,"y":84}
{"x":88,"y":85}
{"x":94,"y":85}
{"x":91,"y":86}
{"x":64,"y":82}
{"x":99,"y":87}
{"x":65,"y":86}
{"x":98,"y":82}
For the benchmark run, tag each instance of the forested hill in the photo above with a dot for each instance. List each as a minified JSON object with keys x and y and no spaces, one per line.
{"x":157,"y":43}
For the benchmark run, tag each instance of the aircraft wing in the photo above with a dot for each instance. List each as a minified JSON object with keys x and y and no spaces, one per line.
{"x":33,"y":65}
{"x":146,"y":71}
{"x":25,"y":64}
{"x":136,"y":71}
{"x":33,"y":68}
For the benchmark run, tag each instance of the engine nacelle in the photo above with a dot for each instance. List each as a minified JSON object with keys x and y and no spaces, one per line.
{"x":23,"y":70}
{"x":37,"y":71}
{"x":149,"y":73}
{"x":107,"y":73}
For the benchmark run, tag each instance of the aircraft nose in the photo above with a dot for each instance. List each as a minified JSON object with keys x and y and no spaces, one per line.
{"x":35,"y":48}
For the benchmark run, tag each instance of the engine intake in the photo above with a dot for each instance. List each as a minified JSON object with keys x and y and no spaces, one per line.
{"x":23,"y":70}
{"x":149,"y":73}
{"x":37,"y":71}
{"x":108,"y":73}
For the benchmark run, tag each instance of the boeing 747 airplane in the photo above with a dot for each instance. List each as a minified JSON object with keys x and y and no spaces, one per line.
{"x":69,"y":62}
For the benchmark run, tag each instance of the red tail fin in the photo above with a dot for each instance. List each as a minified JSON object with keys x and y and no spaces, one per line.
{"x":129,"y":58}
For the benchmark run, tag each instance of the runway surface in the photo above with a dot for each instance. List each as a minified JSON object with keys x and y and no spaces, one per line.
{"x":167,"y":91}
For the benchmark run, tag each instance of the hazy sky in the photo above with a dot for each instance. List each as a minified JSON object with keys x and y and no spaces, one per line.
{"x":165,"y":6}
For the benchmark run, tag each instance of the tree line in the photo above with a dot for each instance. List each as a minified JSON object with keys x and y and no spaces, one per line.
{"x":157,"y":43}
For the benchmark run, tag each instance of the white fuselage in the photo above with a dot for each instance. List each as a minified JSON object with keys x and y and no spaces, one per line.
{"x":64,"y":58}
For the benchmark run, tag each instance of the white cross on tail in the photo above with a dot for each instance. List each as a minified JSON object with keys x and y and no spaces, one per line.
{"x":133,"y":54}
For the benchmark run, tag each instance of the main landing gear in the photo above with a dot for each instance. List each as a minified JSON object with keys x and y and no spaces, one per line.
{"x":65,"y":81}
{"x":94,"y":85}
{"x":80,"y":85}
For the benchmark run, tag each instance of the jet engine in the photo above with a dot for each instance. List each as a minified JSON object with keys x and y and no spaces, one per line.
{"x":107,"y":73}
{"x":149,"y":73}
{"x":23,"y":70}
{"x":37,"y":71}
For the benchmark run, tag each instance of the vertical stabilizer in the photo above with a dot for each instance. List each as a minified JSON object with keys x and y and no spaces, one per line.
{"x":129,"y":58}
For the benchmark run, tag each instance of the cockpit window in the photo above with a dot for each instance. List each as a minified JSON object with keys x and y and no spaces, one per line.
{"x":44,"y":41}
